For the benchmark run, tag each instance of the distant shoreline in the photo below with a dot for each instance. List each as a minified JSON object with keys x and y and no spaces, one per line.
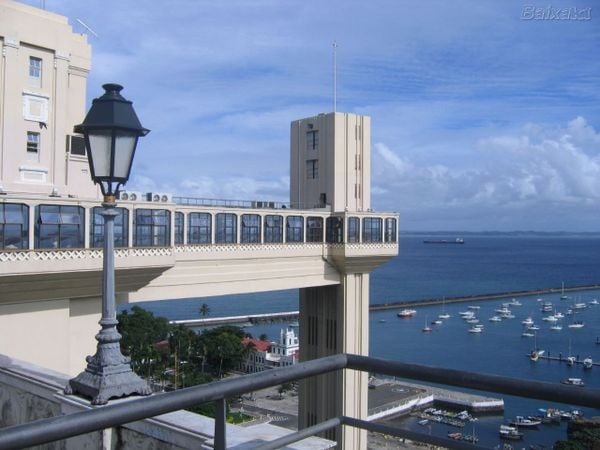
{"x":470,"y":298}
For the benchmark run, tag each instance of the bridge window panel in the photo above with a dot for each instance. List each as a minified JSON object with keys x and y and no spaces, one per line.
{"x":14,"y":226}
{"x":390,"y":230}
{"x":372,"y":229}
{"x":178,"y":228}
{"x":226,"y":232}
{"x":314,"y":229}
{"x":199,"y":228}
{"x":353,"y":229}
{"x":335,"y":230}
{"x":294,"y":229}
{"x":273,"y":228}
{"x":59,"y":226}
{"x":121,"y":227}
{"x":152,"y":228}
{"x":250,"y":229}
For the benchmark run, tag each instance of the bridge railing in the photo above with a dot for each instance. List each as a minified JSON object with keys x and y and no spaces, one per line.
{"x":61,"y":427}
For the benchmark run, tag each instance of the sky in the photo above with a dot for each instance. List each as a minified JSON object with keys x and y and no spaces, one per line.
{"x":485,"y":113}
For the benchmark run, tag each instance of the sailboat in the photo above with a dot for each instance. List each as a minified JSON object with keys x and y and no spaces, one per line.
{"x":536,"y":352}
{"x":570,"y":358}
{"x":562,"y":294}
{"x":427,"y":328}
{"x":444,"y":314}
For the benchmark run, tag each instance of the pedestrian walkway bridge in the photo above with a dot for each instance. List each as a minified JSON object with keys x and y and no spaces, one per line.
{"x":168,"y":250}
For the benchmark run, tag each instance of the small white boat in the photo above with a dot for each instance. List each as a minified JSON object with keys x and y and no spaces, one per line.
{"x":436,"y":322}
{"x":527,"y":321}
{"x":407,"y":313}
{"x":576,"y":324}
{"x":521,"y":421}
{"x":473,"y":306}
{"x":570,"y":361}
{"x":535,"y":354}
{"x":510,"y":432}
{"x":594,"y":302}
{"x":573,"y":382}
{"x":495,"y":319}
{"x":527,"y":334}
{"x":559,"y":315}
{"x":579,"y":306}
{"x":515,"y":302}
{"x":444,"y":316}
{"x":533,"y":327}
{"x":550,"y":319}
{"x":504,"y":310}
{"x":556,"y":327}
{"x":473,"y":320}
{"x":588,"y":363}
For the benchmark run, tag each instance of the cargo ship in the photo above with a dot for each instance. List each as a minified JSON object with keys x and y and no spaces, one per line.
{"x":444,"y":241}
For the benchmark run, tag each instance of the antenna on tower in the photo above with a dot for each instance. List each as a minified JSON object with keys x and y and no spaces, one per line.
{"x":87,"y":28}
{"x":335,"y":46}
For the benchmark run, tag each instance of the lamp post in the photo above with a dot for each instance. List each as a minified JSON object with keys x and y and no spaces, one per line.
{"x":111,"y":130}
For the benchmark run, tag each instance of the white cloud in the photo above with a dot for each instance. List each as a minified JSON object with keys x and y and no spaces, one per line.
{"x":546,"y":169}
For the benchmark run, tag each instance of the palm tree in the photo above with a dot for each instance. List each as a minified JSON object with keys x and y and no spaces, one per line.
{"x":204,"y":310}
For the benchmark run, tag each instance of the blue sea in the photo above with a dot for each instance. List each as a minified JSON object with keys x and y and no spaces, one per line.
{"x":486,"y":263}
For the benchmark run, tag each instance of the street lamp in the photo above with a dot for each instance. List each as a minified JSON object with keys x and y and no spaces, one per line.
{"x":111,"y":130}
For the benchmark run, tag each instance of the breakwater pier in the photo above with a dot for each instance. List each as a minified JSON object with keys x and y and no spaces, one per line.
{"x":480,"y":297}
{"x":292,"y":316}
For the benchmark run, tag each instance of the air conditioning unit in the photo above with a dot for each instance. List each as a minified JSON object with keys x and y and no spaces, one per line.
{"x":159,"y":197}
{"x":130,"y":196}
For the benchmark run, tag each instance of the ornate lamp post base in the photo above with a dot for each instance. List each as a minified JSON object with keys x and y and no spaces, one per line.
{"x":102,"y":381}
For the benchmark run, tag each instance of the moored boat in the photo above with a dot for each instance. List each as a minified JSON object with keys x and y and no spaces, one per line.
{"x":588,"y":363}
{"x":407,"y":313}
{"x":576,"y":324}
{"x":535,"y":354}
{"x":573,"y":382}
{"x":520,"y":421}
{"x":510,"y":432}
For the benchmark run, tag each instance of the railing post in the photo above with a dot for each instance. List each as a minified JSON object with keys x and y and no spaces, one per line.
{"x":220,"y":424}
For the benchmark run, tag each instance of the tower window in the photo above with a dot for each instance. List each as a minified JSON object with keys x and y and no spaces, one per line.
{"x":33,"y":146}
{"x":312,"y":140}
{"x":35,"y":71}
{"x":312,"y":168}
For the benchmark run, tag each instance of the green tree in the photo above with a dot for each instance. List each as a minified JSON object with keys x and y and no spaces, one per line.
{"x":224,"y":348}
{"x":263,"y":337}
{"x":140,"y":332}
{"x":204,"y":310}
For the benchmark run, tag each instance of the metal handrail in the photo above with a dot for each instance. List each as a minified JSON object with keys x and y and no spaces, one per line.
{"x":61,"y":427}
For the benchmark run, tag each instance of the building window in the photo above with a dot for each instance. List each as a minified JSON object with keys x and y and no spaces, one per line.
{"x":14,"y":226}
{"x":179,"y":228}
{"x":312,"y":168}
{"x":372,"y":229}
{"x":390,"y":229}
{"x":250,"y":229}
{"x":35,"y":71}
{"x":314,"y":229}
{"x":59,"y":226}
{"x":199,"y":228}
{"x":273,"y":229}
{"x":294,"y":229}
{"x":121,"y":227}
{"x":312,"y":140}
{"x":33,"y":146}
{"x":226,"y":232}
{"x":353,"y":229}
{"x":335,"y":230}
{"x":152,"y":228}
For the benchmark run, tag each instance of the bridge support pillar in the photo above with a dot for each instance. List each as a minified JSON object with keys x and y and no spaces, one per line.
{"x":335,"y":319}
